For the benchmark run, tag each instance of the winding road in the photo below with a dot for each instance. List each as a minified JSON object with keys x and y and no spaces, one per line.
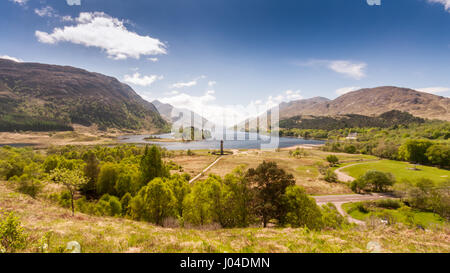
{"x":347,"y":178}
{"x":338,"y":200}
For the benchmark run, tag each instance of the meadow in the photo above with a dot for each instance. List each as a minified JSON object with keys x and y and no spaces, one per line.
{"x":400,"y":170}
{"x":401,"y":215}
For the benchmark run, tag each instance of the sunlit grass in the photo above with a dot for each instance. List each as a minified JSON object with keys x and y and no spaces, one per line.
{"x":401,"y":170}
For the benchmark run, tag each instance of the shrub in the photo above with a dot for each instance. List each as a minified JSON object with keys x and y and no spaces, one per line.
{"x":331,"y":218}
{"x":125,"y":201}
{"x":362,"y":207}
{"x":30,"y":187}
{"x":331,"y":176}
{"x":65,"y":199}
{"x":109,"y":205}
{"x":387,"y":216}
{"x":333,"y":160}
{"x":12,"y":235}
{"x":388,"y":204}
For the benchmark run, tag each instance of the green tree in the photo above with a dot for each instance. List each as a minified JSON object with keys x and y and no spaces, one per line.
{"x":180,"y":188}
{"x":71,"y":179}
{"x":151,"y":165}
{"x":127,"y":180}
{"x":302,"y":211}
{"x":154,"y":202}
{"x":107,"y":178}
{"x":91,"y":171}
{"x":439,"y":154}
{"x":198,"y":205}
{"x":373,"y":180}
{"x":270,"y":183}
{"x":125,"y":202}
{"x":239,"y":198}
{"x":333,"y":160}
{"x":414,"y":150}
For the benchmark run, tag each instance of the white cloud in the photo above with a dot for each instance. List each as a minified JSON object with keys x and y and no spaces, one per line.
{"x":153,"y":59}
{"x":48,"y":11}
{"x":187,"y":84}
{"x":354,"y":70}
{"x":100,"y":30}
{"x":184,"y":84}
{"x":11,"y":58}
{"x":212,"y":83}
{"x":351,"y":69}
{"x":446,"y":3}
{"x":20,"y":2}
{"x":137,"y":79}
{"x":67,"y":18}
{"x":45,"y":11}
{"x":73,"y":2}
{"x":345,"y":90}
{"x":207,"y":106}
{"x":434,"y":90}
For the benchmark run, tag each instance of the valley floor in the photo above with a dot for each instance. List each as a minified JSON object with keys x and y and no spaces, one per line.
{"x":107,"y":234}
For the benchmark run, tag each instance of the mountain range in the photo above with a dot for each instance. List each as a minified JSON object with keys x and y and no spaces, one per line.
{"x":43,"y":97}
{"x":181,"y":117}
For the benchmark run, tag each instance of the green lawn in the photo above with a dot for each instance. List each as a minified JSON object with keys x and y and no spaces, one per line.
{"x":401,"y":170}
{"x":420,"y":217}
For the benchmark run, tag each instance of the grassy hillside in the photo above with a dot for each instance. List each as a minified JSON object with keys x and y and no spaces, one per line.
{"x":40,"y":97}
{"x":107,"y":234}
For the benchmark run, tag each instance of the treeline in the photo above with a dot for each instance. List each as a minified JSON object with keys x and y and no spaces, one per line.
{"x":327,"y":123}
{"x":57,"y":114}
{"x":422,"y":143}
{"x":417,"y":151}
{"x":136,"y":183}
{"x":11,"y":123}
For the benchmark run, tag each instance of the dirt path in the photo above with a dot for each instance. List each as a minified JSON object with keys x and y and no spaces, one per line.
{"x":345,"y":177}
{"x":205,"y":170}
{"x":338,"y":200}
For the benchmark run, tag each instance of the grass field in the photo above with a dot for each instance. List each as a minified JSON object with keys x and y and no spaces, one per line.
{"x":425,"y":219}
{"x":401,"y":170}
{"x":107,"y":234}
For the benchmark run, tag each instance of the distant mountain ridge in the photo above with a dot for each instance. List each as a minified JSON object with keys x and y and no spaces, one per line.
{"x":372,"y":102}
{"x":181,"y":115}
{"x":33,"y":96}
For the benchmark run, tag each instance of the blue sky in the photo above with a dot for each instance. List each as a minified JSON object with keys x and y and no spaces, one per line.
{"x":232,"y":55}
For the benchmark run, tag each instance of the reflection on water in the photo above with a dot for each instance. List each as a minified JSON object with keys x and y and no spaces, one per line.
{"x":233,"y":140}
{"x":18,"y":145}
